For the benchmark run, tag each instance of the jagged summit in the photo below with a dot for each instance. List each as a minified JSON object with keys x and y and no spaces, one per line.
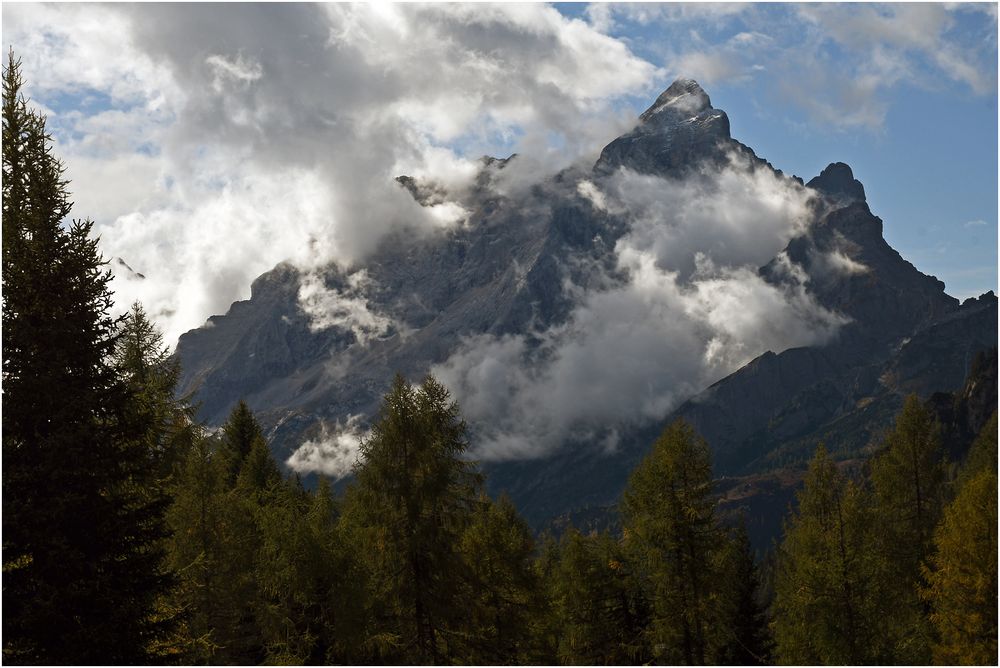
{"x":838,"y":181}
{"x":684,"y":96}
{"x":680,"y":129}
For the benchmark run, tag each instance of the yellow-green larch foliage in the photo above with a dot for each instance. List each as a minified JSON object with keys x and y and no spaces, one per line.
{"x":908,"y":479}
{"x":668,"y":512}
{"x":830,"y":600}
{"x":962,"y":573}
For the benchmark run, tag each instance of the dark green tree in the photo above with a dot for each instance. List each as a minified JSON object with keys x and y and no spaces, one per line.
{"x":82,"y":531}
{"x":412,"y":500}
{"x":744,"y":639}
{"x":239,"y":434}
{"x":152,"y":375}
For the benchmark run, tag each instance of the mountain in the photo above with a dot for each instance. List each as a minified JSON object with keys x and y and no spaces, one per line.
{"x":314,"y":351}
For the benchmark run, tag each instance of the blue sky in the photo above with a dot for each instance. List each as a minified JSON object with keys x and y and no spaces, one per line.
{"x":929,"y":165}
{"x":211,"y":142}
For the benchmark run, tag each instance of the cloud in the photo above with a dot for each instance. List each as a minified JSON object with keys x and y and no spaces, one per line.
{"x":346,"y":308}
{"x":838,"y":63}
{"x":229,"y":138}
{"x":972,"y":224}
{"x":691,"y":310}
{"x":332,"y":452}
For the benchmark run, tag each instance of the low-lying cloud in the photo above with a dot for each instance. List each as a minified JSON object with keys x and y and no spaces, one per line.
{"x":333,"y":452}
{"x":691,"y":310}
{"x":212,"y":142}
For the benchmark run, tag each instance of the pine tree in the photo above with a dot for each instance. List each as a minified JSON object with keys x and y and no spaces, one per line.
{"x":81,"y":529}
{"x":831,"y":605}
{"x":412,"y":500}
{"x":667,"y":510}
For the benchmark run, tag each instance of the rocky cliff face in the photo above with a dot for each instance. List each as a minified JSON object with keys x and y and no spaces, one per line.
{"x":313,"y":350}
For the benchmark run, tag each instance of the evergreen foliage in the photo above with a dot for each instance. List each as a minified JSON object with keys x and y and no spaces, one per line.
{"x":504,"y":591}
{"x":82,"y":520}
{"x":239,"y":434}
{"x":744,"y":637}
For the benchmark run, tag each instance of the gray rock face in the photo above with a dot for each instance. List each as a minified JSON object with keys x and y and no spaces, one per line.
{"x":680,"y":130}
{"x":905,"y":335}
{"x":503,"y":272}
{"x":837,"y":181}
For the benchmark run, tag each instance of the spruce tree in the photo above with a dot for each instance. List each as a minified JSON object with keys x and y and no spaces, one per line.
{"x":239,"y":434}
{"x":81,"y":529}
{"x":152,"y":375}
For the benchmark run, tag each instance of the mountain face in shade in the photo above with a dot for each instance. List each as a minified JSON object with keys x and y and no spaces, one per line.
{"x":504,"y":274}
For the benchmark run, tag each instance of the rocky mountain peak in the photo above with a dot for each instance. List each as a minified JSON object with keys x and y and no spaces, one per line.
{"x":838,"y":182}
{"x":680,"y":129}
{"x":683,"y":97}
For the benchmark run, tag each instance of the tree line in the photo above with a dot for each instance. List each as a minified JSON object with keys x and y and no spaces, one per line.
{"x":134,"y":534}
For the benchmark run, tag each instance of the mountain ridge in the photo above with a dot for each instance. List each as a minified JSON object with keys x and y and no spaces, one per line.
{"x":503,"y":274}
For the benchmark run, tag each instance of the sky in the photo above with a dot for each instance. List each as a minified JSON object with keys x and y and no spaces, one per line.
{"x":211,"y":142}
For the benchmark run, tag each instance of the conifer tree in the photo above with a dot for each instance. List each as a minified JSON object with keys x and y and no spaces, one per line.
{"x":961,"y":573}
{"x":412,"y":500}
{"x":152,"y":375}
{"x":601,"y":612}
{"x":239,"y":434}
{"x":831,"y":604}
{"x":81,"y":530}
{"x":312,"y":584}
{"x":196,"y":552}
{"x":743,"y":634}
{"x":667,"y":510}
{"x":908,"y":478}
{"x":504,"y":591}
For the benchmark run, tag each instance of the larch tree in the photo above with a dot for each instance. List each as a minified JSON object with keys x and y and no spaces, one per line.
{"x":961,"y":574}
{"x":831,"y":604}
{"x":412,"y":500}
{"x":908,"y":478}
{"x":82,"y":534}
{"x":503,"y":587}
{"x":668,"y":514}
